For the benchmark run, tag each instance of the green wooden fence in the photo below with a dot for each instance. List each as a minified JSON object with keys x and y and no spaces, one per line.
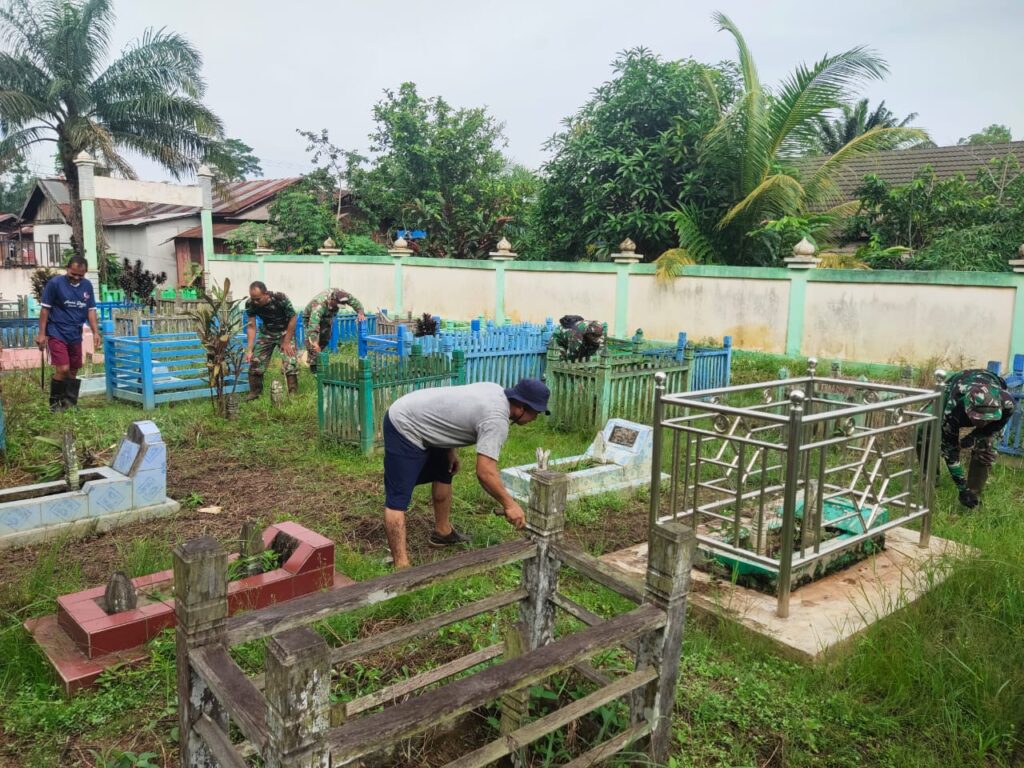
{"x":585,"y":395}
{"x":353,"y":397}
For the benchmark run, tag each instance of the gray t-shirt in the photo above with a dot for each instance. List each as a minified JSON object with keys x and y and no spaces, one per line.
{"x":454,"y":417}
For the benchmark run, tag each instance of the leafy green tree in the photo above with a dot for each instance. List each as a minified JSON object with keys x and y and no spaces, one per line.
{"x":332,"y":163}
{"x":54,"y":88}
{"x":854,"y":121}
{"x":994,"y":134}
{"x":433,"y":167}
{"x":233,"y":160}
{"x":15,"y":184}
{"x":760,"y":135}
{"x":631,"y":154}
{"x":301,"y":221}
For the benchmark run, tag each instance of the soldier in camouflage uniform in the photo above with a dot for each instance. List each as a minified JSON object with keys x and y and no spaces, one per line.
{"x":577,"y":339}
{"x":318,"y":316}
{"x":979,"y":399}
{"x":278,"y":318}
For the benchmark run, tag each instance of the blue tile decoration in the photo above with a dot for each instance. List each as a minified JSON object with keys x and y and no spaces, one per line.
{"x":65,"y":508}
{"x":108,"y":496}
{"x":149,"y":488}
{"x":144,"y":432}
{"x":126,"y":453}
{"x":19,"y":518}
{"x":154,"y":457}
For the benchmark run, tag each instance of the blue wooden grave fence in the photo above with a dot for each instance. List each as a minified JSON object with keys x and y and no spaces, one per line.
{"x":712,"y":366}
{"x":344,"y":328}
{"x":18,"y":332}
{"x":1011,"y":440}
{"x":162,"y":368}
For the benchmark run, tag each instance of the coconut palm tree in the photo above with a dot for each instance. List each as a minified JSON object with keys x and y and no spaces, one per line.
{"x":760,"y":134}
{"x":834,"y":134}
{"x":54,"y":88}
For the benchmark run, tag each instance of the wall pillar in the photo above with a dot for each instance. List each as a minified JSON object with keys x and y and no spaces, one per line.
{"x":500,"y":257}
{"x":205,"y":178}
{"x":329,"y":249}
{"x":624,"y":261}
{"x":400,"y":250}
{"x":1017,"y":327}
{"x":261,"y":252}
{"x":799,"y":263}
{"x":87,"y":193}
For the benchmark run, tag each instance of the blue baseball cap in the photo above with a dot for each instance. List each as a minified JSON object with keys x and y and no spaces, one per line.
{"x":533,"y":393}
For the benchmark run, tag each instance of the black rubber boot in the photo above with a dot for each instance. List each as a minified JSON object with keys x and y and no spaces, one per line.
{"x":977,"y":476}
{"x":71,"y":388}
{"x":57,"y":391}
{"x":293,"y":383}
{"x":255,"y":386}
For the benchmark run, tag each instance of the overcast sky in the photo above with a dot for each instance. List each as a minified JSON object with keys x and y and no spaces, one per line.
{"x":273,"y":66}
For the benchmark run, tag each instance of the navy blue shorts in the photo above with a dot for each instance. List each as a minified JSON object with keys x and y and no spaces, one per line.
{"x":406,"y":466}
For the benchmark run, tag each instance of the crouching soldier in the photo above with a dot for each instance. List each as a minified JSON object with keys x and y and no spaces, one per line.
{"x":978,"y":399}
{"x":277,"y":329}
{"x":576,"y":339}
{"x":318,"y":317}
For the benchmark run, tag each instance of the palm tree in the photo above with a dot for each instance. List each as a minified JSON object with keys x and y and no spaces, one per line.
{"x":760,"y":134}
{"x":54,"y":88}
{"x":854,"y":121}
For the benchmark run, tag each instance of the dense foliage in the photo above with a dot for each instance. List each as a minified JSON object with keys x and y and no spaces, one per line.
{"x":852,"y":121}
{"x":139,"y":284}
{"x":301,"y":221}
{"x":436,"y":168}
{"x":631,"y":154}
{"x":54,"y":88}
{"x":993,"y":134}
{"x":951,"y":223}
{"x":16,"y":182}
{"x":233,"y":160}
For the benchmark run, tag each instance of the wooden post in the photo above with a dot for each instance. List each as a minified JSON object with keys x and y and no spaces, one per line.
{"x":545,"y":521}
{"x":361,"y":339}
{"x":146,"y":366}
{"x":366,"y":428}
{"x":321,"y":372}
{"x":459,"y":367}
{"x":688,"y":356}
{"x":298,"y":676}
{"x":515,"y":705}
{"x":727,"y":344}
{"x":670,"y":554}
{"x":604,"y":388}
{"x":109,"y":361}
{"x":201,"y":609}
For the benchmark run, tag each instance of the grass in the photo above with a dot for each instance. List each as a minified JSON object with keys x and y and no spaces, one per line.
{"x":940,"y":683}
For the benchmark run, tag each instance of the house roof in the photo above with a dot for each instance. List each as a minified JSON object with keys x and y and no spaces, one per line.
{"x":899,"y":166}
{"x":233,"y":200}
{"x":220,"y":229}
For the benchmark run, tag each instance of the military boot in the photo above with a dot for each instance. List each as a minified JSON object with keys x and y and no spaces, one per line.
{"x":977,"y":476}
{"x":255,"y":386}
{"x":71,"y":388}
{"x":293,"y":383}
{"x":57,"y":392}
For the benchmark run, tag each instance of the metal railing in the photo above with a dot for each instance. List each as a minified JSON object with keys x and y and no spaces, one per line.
{"x":26,"y":254}
{"x":782,"y":483}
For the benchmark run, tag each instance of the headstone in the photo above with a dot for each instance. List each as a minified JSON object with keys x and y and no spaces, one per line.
{"x":251,"y":545}
{"x":276,"y":394}
{"x":119,"y":595}
{"x":70,"y":458}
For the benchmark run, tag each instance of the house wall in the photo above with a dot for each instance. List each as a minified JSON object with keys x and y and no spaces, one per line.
{"x":871,"y":316}
{"x":152,"y":243}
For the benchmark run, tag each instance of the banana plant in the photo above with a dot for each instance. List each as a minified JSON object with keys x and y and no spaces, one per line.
{"x":218,"y":322}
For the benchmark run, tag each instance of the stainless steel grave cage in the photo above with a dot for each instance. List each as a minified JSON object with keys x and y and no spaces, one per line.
{"x":784,"y":477}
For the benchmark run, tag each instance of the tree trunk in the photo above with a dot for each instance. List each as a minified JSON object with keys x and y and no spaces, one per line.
{"x":74,"y":213}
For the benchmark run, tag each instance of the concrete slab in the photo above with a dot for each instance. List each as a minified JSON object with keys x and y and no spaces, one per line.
{"x":825,"y":614}
{"x":77,"y":529}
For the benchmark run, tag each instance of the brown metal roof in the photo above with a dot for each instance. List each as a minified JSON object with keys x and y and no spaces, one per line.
{"x":196,"y":233}
{"x":899,"y":166}
{"x":235,"y":199}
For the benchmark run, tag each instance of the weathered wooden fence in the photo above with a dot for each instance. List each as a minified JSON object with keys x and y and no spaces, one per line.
{"x":287,"y":717}
{"x":584,"y":395}
{"x":1011,"y":440}
{"x":160,"y":368}
{"x":352,"y":398}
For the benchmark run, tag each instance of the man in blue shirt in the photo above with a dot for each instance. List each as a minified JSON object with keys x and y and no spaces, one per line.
{"x":68,"y":302}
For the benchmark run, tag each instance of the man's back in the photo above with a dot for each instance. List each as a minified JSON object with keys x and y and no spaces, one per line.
{"x":454,"y":417}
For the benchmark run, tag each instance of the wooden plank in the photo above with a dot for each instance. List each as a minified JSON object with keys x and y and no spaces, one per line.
{"x":542,"y":726}
{"x":602,"y":573}
{"x":585,"y":615}
{"x":218,"y":744}
{"x":366,"y":734}
{"x":361,"y":648}
{"x":234,"y":691}
{"x":610,"y":747}
{"x":319,"y":605}
{"x":431,"y":676}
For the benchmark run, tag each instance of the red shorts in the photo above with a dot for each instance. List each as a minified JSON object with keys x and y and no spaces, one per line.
{"x":63,"y":353}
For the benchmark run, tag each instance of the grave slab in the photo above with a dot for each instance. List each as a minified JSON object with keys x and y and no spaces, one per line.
{"x":826,"y":614}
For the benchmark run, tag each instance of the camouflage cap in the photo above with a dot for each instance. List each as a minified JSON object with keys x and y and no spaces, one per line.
{"x":982,"y":402}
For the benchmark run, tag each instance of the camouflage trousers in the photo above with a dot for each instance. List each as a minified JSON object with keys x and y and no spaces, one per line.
{"x":982,"y":451}
{"x":266,"y":343}
{"x":323,"y":338}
